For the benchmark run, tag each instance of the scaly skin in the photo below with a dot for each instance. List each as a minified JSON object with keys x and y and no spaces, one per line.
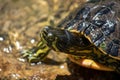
{"x":37,"y":53}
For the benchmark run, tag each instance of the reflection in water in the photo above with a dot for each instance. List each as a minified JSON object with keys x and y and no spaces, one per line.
{"x":18,"y":46}
{"x":32,"y":41}
{"x":7,"y":49}
{"x":8,"y":42}
{"x":1,"y":38}
{"x":15,"y":76}
{"x":5,"y":42}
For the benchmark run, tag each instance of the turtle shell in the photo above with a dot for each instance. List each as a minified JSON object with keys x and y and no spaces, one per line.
{"x":100,"y":24}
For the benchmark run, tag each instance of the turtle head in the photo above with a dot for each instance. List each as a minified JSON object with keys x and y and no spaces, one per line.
{"x":62,"y":40}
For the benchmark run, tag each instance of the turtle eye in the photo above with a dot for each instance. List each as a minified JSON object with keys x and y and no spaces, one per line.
{"x":50,"y":36}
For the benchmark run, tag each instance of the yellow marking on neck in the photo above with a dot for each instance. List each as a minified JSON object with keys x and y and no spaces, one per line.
{"x":84,"y":51}
{"x":42,"y":51}
{"x":40,"y":43}
{"x":54,"y":45}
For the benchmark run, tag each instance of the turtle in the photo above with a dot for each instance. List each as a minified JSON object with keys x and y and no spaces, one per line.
{"x":90,"y":37}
